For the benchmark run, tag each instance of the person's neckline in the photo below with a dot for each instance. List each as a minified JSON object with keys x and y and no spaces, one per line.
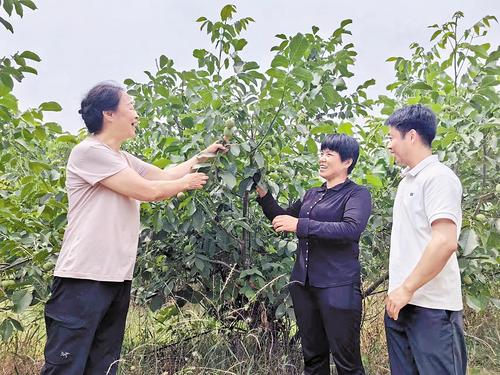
{"x":338,"y":186}
{"x":96,"y":140}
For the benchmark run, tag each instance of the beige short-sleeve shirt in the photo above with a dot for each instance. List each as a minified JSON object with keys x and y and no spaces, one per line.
{"x":429,"y":191}
{"x":100,"y":241}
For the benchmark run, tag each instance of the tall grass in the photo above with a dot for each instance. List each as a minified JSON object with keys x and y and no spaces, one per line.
{"x":189,"y":342}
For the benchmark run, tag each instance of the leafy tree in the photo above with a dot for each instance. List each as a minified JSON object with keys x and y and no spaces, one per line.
{"x":33,"y":199}
{"x":458,"y":77}
{"x":214,"y":247}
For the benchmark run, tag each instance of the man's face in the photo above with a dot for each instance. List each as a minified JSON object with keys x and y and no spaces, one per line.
{"x":398,"y":145}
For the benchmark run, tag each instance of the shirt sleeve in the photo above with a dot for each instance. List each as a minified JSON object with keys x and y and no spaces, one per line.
{"x":95,"y":163}
{"x":442,"y":199}
{"x":141,"y":167}
{"x":354,"y":219}
{"x":271,"y":208}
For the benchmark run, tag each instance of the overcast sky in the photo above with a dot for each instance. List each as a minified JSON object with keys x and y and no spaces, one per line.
{"x":82,"y":42}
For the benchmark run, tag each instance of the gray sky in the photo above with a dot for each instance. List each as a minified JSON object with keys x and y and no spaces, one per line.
{"x":82,"y":42}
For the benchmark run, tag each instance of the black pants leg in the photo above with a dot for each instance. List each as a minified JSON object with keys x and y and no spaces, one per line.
{"x":108,"y":338}
{"x":329,"y":320}
{"x":426,"y":341}
{"x":75,"y":315}
{"x":315,"y":346}
{"x":341,"y":312}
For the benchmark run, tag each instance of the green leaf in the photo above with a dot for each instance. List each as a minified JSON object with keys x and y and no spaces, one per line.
{"x":227,"y":12}
{"x":436,"y":34}
{"x":30,"y":56}
{"x":297,"y":48}
{"x":19,"y":9}
{"x":345,"y":22}
{"x":8,"y":6}
{"x":7,"y":25}
{"x":312,"y":146}
{"x":420,"y":86}
{"x":199,"y":53}
{"x":22,"y":299}
{"x":374,"y":180}
{"x":302,"y":74}
{"x":323,"y":129}
{"x":6,"y":329}
{"x":331,"y":95}
{"x":50,"y":107}
{"x":291,"y":246}
{"x":259,"y":159}
{"x":474,"y":302}
{"x":161,"y":162}
{"x":251,"y":65}
{"x":468,"y":241}
{"x":276,"y":73}
{"x":345,"y":128}
{"x":229,"y":179}
{"x":239,"y":44}
{"x":54,"y":127}
{"x":38,"y":166}
{"x":28,"y":3}
{"x":67,"y":138}
{"x":163,"y":91}
{"x":235,"y":150}
{"x":279,"y":60}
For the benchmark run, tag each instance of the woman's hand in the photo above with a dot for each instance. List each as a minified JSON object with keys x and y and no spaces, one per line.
{"x":260,"y":191}
{"x":194,"y":181}
{"x":214,"y":148}
{"x":285,"y":223}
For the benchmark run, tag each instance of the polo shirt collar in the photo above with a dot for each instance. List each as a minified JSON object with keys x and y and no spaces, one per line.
{"x":420,"y":166}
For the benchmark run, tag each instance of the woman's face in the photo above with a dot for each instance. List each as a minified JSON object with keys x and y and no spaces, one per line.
{"x":124,"y":118}
{"x":331,"y":166}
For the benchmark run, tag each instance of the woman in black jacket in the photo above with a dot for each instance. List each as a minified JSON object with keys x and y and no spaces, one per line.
{"x":325,"y":281}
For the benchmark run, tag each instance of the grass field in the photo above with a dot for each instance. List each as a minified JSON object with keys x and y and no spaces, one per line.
{"x":191,"y":344}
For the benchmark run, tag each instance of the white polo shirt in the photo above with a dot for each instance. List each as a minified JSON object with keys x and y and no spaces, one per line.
{"x":427,"y":192}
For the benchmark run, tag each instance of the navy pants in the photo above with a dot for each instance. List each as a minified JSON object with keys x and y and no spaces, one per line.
{"x":426,"y":341}
{"x":329,"y":321}
{"x":85,"y":322}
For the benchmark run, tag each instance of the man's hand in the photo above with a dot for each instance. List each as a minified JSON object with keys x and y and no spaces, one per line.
{"x":396,"y":300}
{"x":194,"y":181}
{"x":285,"y":223}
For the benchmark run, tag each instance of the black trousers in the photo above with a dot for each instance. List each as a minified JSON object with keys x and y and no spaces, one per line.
{"x":85,"y":321}
{"x":329,"y":321}
{"x":426,"y":341}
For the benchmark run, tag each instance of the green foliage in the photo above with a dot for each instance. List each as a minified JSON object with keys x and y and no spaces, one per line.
{"x":17,"y":6}
{"x":32,"y":196}
{"x":458,"y":78}
{"x":213,"y":247}
{"x":216,"y":242}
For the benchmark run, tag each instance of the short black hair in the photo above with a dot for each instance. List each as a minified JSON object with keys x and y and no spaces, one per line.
{"x":347,"y":147}
{"x":104,"y":96}
{"x":417,"y":117}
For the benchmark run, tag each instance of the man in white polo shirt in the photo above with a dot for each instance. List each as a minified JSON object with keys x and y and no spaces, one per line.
{"x":424,"y":317}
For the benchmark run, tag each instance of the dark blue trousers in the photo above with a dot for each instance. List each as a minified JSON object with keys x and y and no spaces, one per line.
{"x":426,"y":341}
{"x":85,"y":321}
{"x":329,"y":321}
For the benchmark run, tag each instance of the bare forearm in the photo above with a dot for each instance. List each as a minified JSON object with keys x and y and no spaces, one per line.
{"x":182,"y":169}
{"x":160,"y":190}
{"x":431,"y":263}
